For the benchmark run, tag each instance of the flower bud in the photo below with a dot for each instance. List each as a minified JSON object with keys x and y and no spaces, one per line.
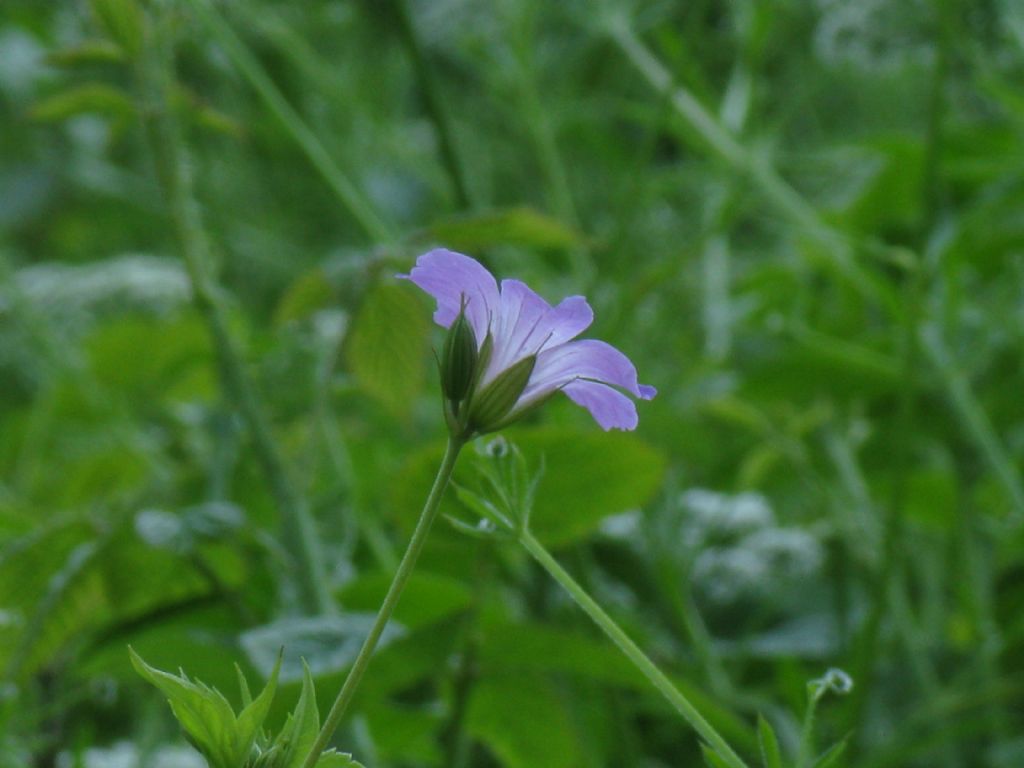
{"x":459,"y":359}
{"x":490,"y":406}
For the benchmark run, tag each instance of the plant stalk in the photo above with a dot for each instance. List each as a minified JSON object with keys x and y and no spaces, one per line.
{"x":654,"y":675}
{"x":405,"y":568}
{"x":156,"y":84}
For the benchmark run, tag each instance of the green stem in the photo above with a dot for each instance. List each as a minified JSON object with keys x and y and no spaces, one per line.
{"x":835,"y":246}
{"x":405,"y":568}
{"x":435,"y":105}
{"x":156,"y":81}
{"x":656,"y":677}
{"x":975,"y":420}
{"x":803,"y":758}
{"x":346,"y":191}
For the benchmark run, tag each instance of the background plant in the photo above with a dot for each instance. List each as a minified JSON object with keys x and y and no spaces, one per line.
{"x":800,"y":218}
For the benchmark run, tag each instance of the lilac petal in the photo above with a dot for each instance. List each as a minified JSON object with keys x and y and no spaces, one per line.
{"x":568,"y":320}
{"x":586,"y":359}
{"x":448,"y":277}
{"x":521,"y":313}
{"x":526,"y":324}
{"x":609,"y":407}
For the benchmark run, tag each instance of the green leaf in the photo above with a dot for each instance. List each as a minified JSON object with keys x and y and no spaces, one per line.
{"x":307,"y":293}
{"x":427,"y":598}
{"x":533,"y":648}
{"x":203,"y":713}
{"x":97,"y":98}
{"x":386,"y":346}
{"x":87,"y":52}
{"x":122,"y":20}
{"x":332,"y":759}
{"x":508,"y":226}
{"x":523,"y":721}
{"x":712,"y":759}
{"x":206,"y":716}
{"x":328,"y":643}
{"x":831,"y":756}
{"x":250,"y":719}
{"x":303,"y":725}
{"x":588,"y":476}
{"x":769,"y":744}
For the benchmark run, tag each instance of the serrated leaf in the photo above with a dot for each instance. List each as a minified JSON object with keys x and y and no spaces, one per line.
{"x":203,"y":713}
{"x":386,"y":348}
{"x":769,"y":744}
{"x":98,"y":98}
{"x":206,"y":716}
{"x":250,"y":719}
{"x":303,"y":724}
{"x":508,"y":226}
{"x":332,"y":759}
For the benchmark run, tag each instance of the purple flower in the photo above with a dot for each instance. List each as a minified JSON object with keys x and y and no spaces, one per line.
{"x":525,"y":346}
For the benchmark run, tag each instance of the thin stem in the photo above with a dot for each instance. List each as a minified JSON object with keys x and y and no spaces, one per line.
{"x":977,"y":423}
{"x":835,"y":246}
{"x":347,"y":192}
{"x":405,"y":568}
{"x":434,"y":102}
{"x":156,"y":75}
{"x":656,"y":677}
{"x":803,"y":758}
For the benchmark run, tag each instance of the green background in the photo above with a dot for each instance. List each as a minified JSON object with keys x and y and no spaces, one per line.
{"x":804,"y":221}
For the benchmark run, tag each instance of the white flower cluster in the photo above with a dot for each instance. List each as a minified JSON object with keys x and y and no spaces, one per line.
{"x":126,"y":755}
{"x":739,"y":549}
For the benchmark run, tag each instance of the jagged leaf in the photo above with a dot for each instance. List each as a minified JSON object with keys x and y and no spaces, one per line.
{"x":207,"y":717}
{"x":303,"y":724}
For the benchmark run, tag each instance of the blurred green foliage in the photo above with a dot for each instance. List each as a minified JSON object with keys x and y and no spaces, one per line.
{"x":804,"y":219}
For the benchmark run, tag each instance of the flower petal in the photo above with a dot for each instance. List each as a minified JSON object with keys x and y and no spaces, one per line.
{"x":568,"y":320}
{"x":521,"y":314}
{"x":526,"y":324}
{"x":609,"y":407}
{"x":587,"y":359}
{"x":448,"y":277}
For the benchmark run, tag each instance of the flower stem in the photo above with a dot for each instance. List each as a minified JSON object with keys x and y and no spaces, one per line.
{"x":656,"y":677}
{"x":405,"y":568}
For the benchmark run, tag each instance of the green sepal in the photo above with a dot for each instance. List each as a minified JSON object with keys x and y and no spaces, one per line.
{"x":459,"y":359}
{"x":489,"y":409}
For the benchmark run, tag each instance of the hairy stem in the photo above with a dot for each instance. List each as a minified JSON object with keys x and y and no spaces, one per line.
{"x":656,"y":677}
{"x":405,"y":568}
